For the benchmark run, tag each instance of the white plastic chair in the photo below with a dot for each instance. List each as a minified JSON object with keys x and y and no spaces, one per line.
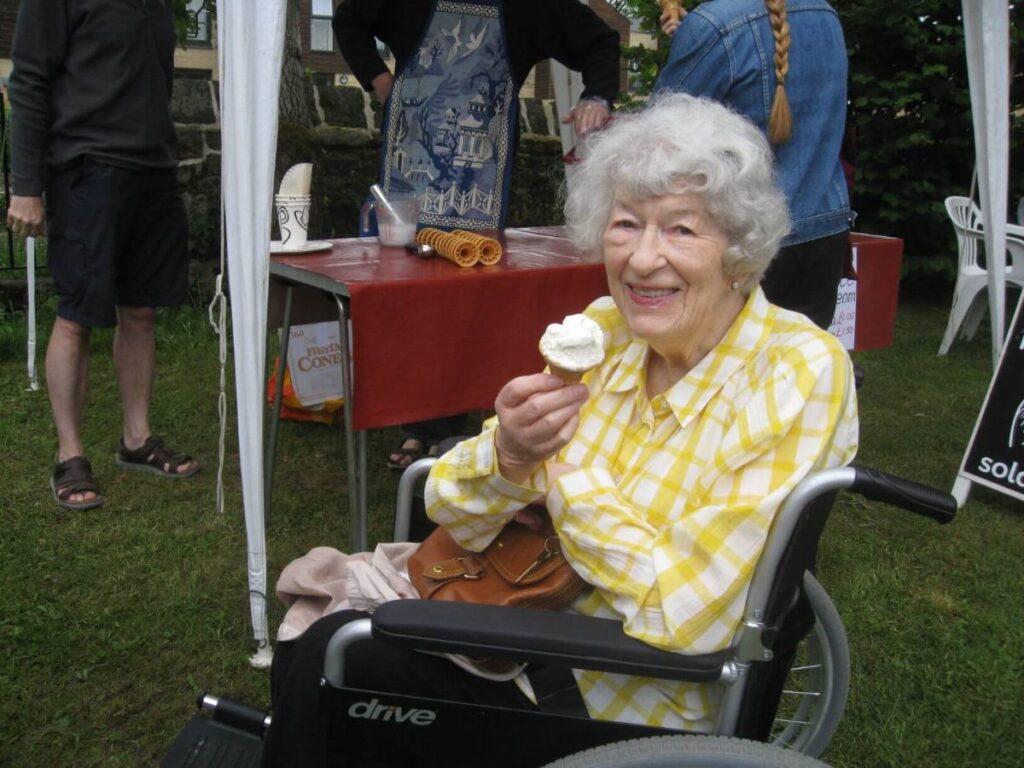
{"x":972,"y":280}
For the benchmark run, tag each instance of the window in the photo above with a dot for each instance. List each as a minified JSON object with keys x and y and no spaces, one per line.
{"x":199,"y":32}
{"x":321,"y":36}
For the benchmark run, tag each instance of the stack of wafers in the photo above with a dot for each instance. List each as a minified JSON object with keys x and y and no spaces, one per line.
{"x":464,"y":248}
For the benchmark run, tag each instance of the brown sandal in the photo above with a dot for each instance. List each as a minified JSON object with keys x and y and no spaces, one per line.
{"x":407,"y":455}
{"x":71,"y":477}
{"x":153,"y":456}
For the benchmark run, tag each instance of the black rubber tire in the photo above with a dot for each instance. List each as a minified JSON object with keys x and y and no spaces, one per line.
{"x":827,"y":647}
{"x":687,"y":752}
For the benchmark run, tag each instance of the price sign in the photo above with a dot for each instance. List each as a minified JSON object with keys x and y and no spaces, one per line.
{"x":844,"y":322}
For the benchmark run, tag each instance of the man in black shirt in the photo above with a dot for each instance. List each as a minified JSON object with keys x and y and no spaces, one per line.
{"x":93,"y":137}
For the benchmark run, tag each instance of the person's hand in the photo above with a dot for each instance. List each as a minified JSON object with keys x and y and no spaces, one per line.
{"x":529,"y":517}
{"x":26,"y":216}
{"x":588,"y":115}
{"x":381,"y":85}
{"x":537,"y":416}
{"x":669,"y":23}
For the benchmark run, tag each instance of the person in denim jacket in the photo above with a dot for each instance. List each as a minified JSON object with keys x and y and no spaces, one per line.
{"x":784,"y":66}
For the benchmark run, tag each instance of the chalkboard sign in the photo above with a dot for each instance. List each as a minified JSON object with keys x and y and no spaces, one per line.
{"x":995,"y":455}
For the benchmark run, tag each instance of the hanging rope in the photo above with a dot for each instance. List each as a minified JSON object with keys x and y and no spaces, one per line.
{"x":220,"y":306}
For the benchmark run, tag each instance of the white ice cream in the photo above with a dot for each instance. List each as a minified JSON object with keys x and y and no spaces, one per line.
{"x":575,"y":344}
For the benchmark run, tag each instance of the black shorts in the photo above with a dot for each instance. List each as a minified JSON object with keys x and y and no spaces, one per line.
{"x":115,"y":236}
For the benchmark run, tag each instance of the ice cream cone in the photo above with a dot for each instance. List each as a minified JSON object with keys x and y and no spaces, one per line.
{"x":490,"y":249}
{"x":572,"y":347}
{"x":569,"y":377}
{"x":449,"y":245}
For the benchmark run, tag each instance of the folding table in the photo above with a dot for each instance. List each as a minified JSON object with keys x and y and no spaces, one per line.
{"x":429,"y":338}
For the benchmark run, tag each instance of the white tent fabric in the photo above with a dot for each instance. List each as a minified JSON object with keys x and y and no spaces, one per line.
{"x":250,"y":40}
{"x":986,"y":33}
{"x":987,"y":41}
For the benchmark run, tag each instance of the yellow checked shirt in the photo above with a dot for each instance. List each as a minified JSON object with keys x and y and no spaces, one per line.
{"x":674,"y":497}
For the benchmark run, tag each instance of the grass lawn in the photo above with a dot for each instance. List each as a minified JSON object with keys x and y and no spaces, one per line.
{"x":112,"y":621}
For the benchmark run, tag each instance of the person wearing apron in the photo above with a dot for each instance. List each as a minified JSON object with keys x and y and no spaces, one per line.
{"x":451,"y":111}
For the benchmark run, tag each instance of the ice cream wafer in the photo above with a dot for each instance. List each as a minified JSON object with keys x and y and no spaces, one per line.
{"x":490,"y":249}
{"x":452,"y":247}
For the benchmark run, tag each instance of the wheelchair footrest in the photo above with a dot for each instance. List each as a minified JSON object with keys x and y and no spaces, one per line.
{"x":231,"y":736}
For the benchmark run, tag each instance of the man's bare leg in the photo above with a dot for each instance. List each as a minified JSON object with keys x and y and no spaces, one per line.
{"x":67,"y":382}
{"x":135,"y":360}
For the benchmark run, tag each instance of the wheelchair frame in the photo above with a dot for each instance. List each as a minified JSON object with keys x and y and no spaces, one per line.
{"x":781,"y":596}
{"x":590,"y":643}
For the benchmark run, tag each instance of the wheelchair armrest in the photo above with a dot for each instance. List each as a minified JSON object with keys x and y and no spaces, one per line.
{"x":526,"y":635}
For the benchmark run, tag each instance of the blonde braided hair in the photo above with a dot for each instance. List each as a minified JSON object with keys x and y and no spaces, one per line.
{"x":780,"y":121}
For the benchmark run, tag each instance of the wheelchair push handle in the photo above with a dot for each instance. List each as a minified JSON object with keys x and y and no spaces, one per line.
{"x":914,"y":497}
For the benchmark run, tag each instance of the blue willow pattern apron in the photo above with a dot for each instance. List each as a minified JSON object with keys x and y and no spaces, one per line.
{"x":449,"y":121}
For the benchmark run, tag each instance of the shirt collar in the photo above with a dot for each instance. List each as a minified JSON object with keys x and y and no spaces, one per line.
{"x":688,"y":396}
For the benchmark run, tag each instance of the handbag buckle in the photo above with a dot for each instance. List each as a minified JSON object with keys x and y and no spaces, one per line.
{"x":471,"y":575}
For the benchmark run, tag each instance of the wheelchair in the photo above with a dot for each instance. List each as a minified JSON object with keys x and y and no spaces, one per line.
{"x":784,"y":679}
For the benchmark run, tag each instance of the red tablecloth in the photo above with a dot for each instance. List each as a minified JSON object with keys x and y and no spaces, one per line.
{"x":432,"y":339}
{"x":879,"y":260}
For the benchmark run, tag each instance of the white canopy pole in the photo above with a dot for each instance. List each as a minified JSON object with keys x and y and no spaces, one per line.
{"x":251,"y":47}
{"x":30,"y":275}
{"x":986,"y":34}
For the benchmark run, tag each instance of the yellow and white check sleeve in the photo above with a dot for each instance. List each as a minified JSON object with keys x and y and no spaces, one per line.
{"x":672,"y":503}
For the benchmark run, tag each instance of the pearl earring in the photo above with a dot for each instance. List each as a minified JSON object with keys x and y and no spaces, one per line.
{"x":735,"y":285}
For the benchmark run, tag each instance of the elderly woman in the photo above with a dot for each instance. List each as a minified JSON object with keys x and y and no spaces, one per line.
{"x":663,"y":469}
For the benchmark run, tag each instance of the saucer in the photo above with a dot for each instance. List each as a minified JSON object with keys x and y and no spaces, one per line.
{"x":309,"y":247}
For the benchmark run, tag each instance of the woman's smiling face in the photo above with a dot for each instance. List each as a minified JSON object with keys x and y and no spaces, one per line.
{"x":663,"y":256}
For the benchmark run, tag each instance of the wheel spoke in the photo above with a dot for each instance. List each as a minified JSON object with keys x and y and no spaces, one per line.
{"x":782,"y":741}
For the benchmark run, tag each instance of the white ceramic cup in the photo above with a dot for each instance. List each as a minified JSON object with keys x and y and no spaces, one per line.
{"x":397,"y":226}
{"x":292,"y":220}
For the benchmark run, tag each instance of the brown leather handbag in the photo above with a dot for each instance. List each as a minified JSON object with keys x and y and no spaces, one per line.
{"x":521,"y":567}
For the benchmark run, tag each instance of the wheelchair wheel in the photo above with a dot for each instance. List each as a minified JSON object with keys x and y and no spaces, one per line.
{"x":814,"y":693}
{"x":687,"y":752}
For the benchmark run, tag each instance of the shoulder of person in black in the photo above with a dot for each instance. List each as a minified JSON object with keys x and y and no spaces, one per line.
{"x":534,"y":28}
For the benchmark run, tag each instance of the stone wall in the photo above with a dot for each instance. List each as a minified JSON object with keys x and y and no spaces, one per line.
{"x":344,"y":149}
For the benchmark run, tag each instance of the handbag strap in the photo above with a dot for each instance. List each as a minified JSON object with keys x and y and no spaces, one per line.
{"x":556,"y":690}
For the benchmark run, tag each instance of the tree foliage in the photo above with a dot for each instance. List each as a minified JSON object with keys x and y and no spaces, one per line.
{"x":909,"y":114}
{"x":185,"y":20}
{"x":296,"y":105}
